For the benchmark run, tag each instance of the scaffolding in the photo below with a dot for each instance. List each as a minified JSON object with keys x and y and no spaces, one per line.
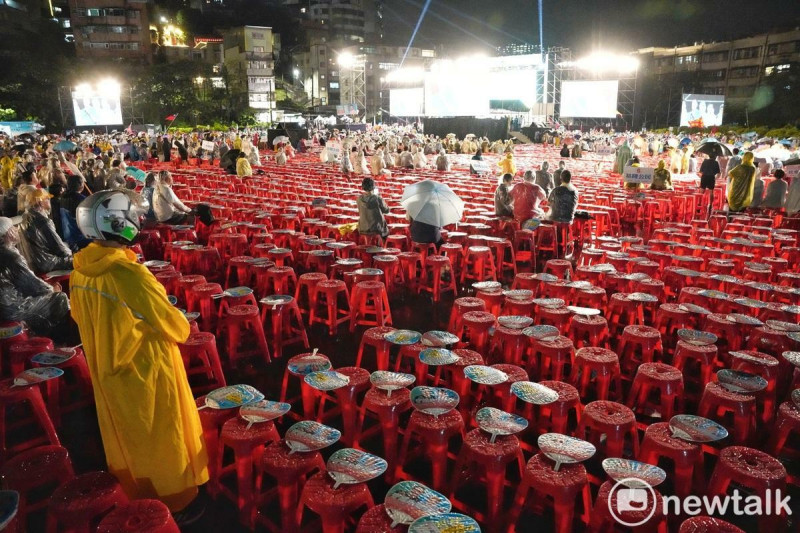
{"x":353,"y":83}
{"x":556,"y":58}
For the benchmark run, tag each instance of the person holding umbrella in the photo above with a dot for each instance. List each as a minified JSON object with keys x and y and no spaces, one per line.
{"x":430,"y":206}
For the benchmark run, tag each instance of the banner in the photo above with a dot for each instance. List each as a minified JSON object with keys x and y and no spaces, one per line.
{"x":479,"y":167}
{"x":208,"y":146}
{"x":605,"y":150}
{"x":638,"y":175}
{"x":792,"y":171}
{"x":18,"y":127}
{"x":334,"y":150}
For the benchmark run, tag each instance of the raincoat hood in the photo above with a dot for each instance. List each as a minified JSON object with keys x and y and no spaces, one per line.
{"x":95,"y":260}
{"x":747,"y":158}
{"x":661,"y":165}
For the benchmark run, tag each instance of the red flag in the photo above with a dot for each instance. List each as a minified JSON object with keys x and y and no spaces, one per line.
{"x":171,"y":117}
{"x":129,"y":129}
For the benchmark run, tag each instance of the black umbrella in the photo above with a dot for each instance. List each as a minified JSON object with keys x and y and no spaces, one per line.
{"x":228,"y":160}
{"x":21,"y":148}
{"x":714,"y":150}
{"x":792,"y":161}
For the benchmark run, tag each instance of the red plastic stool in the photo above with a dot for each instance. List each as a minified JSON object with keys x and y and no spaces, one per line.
{"x":716,"y":401}
{"x":21,"y":351}
{"x":492,"y":298}
{"x":410,"y":265}
{"x":290,"y":470}
{"x":639,"y":344}
{"x":333,"y":506}
{"x":247,"y":443}
{"x":556,"y":417}
{"x":477,"y":325}
{"x":169,"y":280}
{"x":453,"y":375}
{"x":666,"y":379}
{"x":10,"y":398}
{"x":509,"y":344}
{"x":623,"y":311}
{"x":434,"y":433}
{"x":391,"y":268}
{"x":704,"y":357}
{"x":327,"y":294}
{"x":239,"y":269}
{"x":139,"y":516}
{"x":787,"y":423}
{"x":237,"y":320}
{"x":593,"y":297}
{"x":201,"y":299}
{"x":560,"y":268}
{"x":375,"y":337}
{"x":728,"y":332}
{"x":518,"y":307}
{"x":478,"y":264}
{"x":586,"y":331}
{"x":435,"y":267}
{"x":387,"y":410}
{"x":202,"y":348}
{"x":282,"y":280}
{"x":687,"y":458}
{"x":369,"y":299}
{"x":706,"y":524}
{"x":184,"y":287}
{"x":299,"y":366}
{"x":212,"y":421}
{"x":461,"y":306}
{"x":32,"y":473}
{"x":600,"y":364}
{"x":455,"y":252}
{"x":563,"y":486}
{"x":503,"y":398}
{"x":376,"y":520}
{"x":285,"y":323}
{"x":306,"y":284}
{"x":650,"y":519}
{"x":528,"y":281}
{"x":493,"y":459}
{"x":755,"y":470}
{"x":613,"y":420}
{"x":551,"y":356}
{"x":559,"y":317}
{"x":76,"y":504}
{"x":767,"y":367}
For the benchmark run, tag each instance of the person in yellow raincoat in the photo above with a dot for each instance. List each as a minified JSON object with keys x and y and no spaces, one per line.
{"x":507,"y":165}
{"x":149,"y":423}
{"x":7,"y":165}
{"x":741,"y":185}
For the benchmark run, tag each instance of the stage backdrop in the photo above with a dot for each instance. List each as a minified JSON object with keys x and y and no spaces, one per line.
{"x":462,"y":126}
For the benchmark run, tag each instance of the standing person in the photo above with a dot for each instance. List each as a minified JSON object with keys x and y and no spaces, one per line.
{"x":734,"y":161}
{"x":775,"y":198}
{"x":526,"y":197}
{"x":507,"y":165}
{"x":371,"y":211}
{"x":544,"y":179}
{"x":709,"y":171}
{"x":740,"y":192}
{"x":503,"y":206}
{"x":151,"y":431}
{"x":624,"y":154}
{"x":166,"y":204}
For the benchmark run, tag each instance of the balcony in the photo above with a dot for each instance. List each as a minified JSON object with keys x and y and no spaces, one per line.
{"x":258,"y":56}
{"x":268,"y":72}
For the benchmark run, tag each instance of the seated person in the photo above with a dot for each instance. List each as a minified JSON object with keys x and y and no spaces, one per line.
{"x":503,"y":207}
{"x":147,"y":194}
{"x":526,"y":197}
{"x":758,"y":192}
{"x":662,"y":178}
{"x":25,"y":297}
{"x":243,"y":168}
{"x":424,"y":233}
{"x":41,"y":245}
{"x":563,"y":200}
{"x":775,"y":198}
{"x":168,"y":208}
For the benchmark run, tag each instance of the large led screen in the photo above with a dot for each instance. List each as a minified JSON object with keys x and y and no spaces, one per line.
{"x":451,"y":91}
{"x":589,"y":99}
{"x":96,"y":106}
{"x":407,"y":102}
{"x":702,"y":110}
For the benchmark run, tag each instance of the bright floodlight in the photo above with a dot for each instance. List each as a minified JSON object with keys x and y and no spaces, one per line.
{"x":83,"y":88}
{"x":108,"y":87}
{"x":607,"y":62}
{"x":406,"y":75}
{"x":163,"y":19}
{"x":296,"y":72}
{"x":347,"y":60}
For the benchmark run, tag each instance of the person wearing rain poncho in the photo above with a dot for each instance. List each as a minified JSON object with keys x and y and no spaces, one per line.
{"x":151,"y":431}
{"x":544,"y":179}
{"x":742,"y":182}
{"x":442,"y":162}
{"x":793,"y":197}
{"x":507,"y":165}
{"x":662,"y":178}
{"x":23,"y":296}
{"x":624,"y":154}
{"x":41,"y":244}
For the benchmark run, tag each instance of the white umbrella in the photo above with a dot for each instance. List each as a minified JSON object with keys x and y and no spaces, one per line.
{"x":280,"y":139}
{"x":433,"y":203}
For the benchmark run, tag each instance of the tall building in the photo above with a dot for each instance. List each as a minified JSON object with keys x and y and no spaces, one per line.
{"x":19,"y":16}
{"x":250,"y":63}
{"x":111,"y":29}
{"x":736,"y":69}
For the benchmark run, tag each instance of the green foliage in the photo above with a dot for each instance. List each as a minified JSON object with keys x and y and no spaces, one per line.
{"x":7,"y":114}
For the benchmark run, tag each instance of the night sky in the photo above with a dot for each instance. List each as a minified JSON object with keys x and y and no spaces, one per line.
{"x":584,"y":25}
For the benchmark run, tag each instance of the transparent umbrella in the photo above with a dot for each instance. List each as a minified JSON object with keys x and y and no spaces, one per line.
{"x":433,"y":203}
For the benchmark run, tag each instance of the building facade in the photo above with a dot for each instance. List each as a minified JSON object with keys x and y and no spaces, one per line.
{"x":751,"y":73}
{"x":111,"y":29}
{"x":249,"y":64}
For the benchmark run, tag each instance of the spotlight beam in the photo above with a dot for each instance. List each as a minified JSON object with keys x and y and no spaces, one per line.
{"x":454,"y":25}
{"x":416,"y":29}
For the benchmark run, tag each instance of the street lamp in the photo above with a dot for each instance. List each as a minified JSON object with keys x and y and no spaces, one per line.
{"x":296,"y":72}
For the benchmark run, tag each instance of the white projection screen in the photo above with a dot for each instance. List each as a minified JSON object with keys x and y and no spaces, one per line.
{"x":589,"y":99}
{"x":94,"y":107}
{"x":702,"y":110}
{"x":407,"y":102}
{"x":455,"y":93}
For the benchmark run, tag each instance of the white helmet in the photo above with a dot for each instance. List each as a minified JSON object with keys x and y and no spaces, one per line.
{"x":111,"y":216}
